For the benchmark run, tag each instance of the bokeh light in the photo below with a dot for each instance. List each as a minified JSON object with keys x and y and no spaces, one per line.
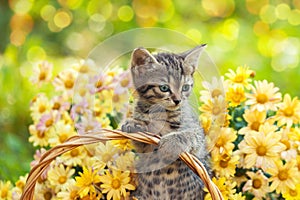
{"x":125,"y":13}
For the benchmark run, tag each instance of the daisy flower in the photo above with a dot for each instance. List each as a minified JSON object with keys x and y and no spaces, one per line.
{"x":292,"y":194}
{"x":123,"y":82}
{"x":65,"y":82}
{"x":124,"y":145}
{"x":289,"y":111}
{"x":126,"y":161}
{"x":226,"y":187}
{"x":115,"y":184}
{"x":62,"y":132}
{"x":39,"y":106}
{"x":5,"y":190}
{"x":215,"y":109}
{"x":43,"y":190}
{"x":59,"y":176}
{"x":42,"y":73}
{"x":58,"y":104}
{"x":74,"y":157}
{"x":86,"y":67}
{"x":257,"y":184}
{"x":290,"y":152}
{"x":70,"y":192}
{"x":264,"y":96}
{"x":283,"y":176}
{"x":221,"y":140}
{"x":241,"y":76}
{"x":224,"y":164}
{"x":106,"y":152}
{"x":261,"y":150}
{"x":19,"y":186}
{"x":88,"y":124}
{"x":254,"y":119}
{"x":39,"y":137}
{"x":86,"y":181}
{"x":235,"y":95}
{"x":213,"y":89}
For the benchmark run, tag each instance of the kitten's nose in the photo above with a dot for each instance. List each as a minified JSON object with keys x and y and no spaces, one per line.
{"x":176,"y":101}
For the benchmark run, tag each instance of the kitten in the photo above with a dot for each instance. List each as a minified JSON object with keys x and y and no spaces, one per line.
{"x":163,"y":83}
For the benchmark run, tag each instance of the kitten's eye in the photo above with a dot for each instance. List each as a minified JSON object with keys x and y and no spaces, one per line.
{"x":164,"y":88}
{"x":185,"y":87}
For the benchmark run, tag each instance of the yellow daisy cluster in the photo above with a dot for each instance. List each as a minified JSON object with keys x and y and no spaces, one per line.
{"x":83,"y":99}
{"x":253,"y":135}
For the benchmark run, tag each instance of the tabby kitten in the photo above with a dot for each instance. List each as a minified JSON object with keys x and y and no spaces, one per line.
{"x":163,"y":83}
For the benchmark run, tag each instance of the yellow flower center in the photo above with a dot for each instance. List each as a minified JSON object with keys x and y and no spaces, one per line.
{"x":4,"y":193}
{"x":83,"y":69}
{"x":255,"y":126}
{"x":63,"y":137}
{"x":261,"y":150}
{"x":239,"y":79}
{"x":62,"y":179}
{"x":20,"y":184}
{"x":49,"y":122}
{"x":283,"y":175}
{"x":115,"y":184}
{"x":288,"y":112}
{"x":124,"y":82}
{"x":56,"y":106}
{"x":116,"y":98}
{"x":215,"y":93}
{"x":216,"y":110}
{"x":237,"y":97}
{"x":293,"y":193}
{"x":69,"y":84}
{"x":74,"y":153}
{"x":73,"y":194}
{"x":219,"y":142}
{"x":223,"y":163}
{"x":42,"y":76}
{"x":47,"y":195}
{"x":42,"y":108}
{"x":256,"y":183}
{"x":261,"y":98}
{"x":40,"y":134}
{"x":98,"y":84}
{"x":106,"y":157}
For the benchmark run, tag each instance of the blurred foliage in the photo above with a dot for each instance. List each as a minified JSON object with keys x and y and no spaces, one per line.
{"x":260,"y":33}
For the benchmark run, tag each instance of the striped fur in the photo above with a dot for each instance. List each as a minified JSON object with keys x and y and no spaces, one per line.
{"x":164,"y":82}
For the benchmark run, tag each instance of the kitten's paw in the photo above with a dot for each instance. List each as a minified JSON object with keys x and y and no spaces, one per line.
{"x":133,"y":126}
{"x":173,"y":144}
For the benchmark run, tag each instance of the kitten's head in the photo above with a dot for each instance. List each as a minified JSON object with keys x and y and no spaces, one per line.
{"x":164,"y":78}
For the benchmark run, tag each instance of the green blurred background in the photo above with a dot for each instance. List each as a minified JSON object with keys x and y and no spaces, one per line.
{"x":262,"y":34}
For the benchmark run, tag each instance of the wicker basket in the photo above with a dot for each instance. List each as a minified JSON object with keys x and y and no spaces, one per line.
{"x":104,"y":135}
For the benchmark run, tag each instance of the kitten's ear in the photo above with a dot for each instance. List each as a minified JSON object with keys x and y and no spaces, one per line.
{"x":191,"y":57}
{"x":141,"y":56}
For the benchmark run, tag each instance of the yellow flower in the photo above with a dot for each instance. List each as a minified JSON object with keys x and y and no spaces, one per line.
{"x":86,"y":181}
{"x":289,"y":111}
{"x":261,"y":149}
{"x":116,"y":184}
{"x":39,"y":106}
{"x":105,"y":152}
{"x":70,"y":192}
{"x":241,"y":76}
{"x":124,"y":145}
{"x":59,"y":176}
{"x":215,"y":109}
{"x":74,"y":157}
{"x":65,"y":82}
{"x":126,"y":161}
{"x":5,"y":190}
{"x":254,"y":119}
{"x":39,"y":137}
{"x":264,"y":96}
{"x":257,"y":184}
{"x":235,"y":95}
{"x":221,"y":140}
{"x":212,"y":90}
{"x":42,"y":73}
{"x":292,"y":194}
{"x":283,"y":176}
{"x":62,"y":132}
{"x":226,"y":187}
{"x":224,"y":164}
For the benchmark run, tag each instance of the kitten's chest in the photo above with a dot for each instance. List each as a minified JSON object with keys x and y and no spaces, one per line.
{"x":164,"y":125}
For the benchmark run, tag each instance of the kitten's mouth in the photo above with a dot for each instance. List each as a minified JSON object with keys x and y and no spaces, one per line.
{"x":173,"y":108}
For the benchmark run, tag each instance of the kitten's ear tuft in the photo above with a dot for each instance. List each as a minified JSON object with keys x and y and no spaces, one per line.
{"x":191,"y":57}
{"x":141,"y":56}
